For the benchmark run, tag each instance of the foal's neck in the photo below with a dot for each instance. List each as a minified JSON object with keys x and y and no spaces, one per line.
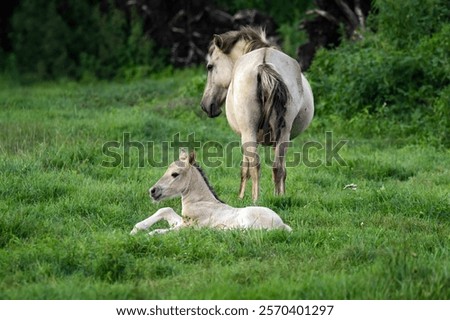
{"x":197,"y":190}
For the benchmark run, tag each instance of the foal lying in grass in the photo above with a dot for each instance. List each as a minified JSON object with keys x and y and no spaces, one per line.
{"x":200,"y":205}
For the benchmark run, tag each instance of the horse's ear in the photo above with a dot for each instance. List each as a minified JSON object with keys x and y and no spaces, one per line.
{"x":218,"y":41}
{"x":192,"y":157}
{"x":183,"y":154}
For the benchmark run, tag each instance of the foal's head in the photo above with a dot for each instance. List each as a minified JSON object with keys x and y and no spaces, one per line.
{"x":175,"y":180}
{"x":223,"y":52}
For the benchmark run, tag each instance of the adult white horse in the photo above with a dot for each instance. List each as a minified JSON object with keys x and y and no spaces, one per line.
{"x":268,"y":100}
{"x":200,"y":205}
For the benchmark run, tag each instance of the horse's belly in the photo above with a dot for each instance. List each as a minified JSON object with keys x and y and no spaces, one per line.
{"x":306,"y":112}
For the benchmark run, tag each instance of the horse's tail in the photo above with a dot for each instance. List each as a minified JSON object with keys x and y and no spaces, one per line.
{"x":273,"y":96}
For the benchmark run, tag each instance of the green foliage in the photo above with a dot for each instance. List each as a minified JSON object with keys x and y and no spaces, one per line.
{"x":78,"y":40}
{"x":40,"y":39}
{"x":292,"y":38}
{"x":400,"y":72}
{"x":403,"y":23}
{"x":65,"y":218}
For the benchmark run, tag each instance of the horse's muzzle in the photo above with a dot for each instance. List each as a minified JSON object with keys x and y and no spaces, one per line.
{"x":213,"y":110}
{"x":214,"y":113}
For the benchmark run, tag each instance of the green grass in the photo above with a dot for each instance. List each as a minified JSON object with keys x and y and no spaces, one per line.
{"x":65,"y":218}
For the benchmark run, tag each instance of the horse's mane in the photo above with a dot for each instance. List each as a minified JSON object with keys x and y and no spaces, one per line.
{"x":202,"y":173}
{"x":255,"y":38}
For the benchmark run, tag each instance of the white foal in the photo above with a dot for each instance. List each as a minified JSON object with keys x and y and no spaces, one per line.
{"x":200,"y":205}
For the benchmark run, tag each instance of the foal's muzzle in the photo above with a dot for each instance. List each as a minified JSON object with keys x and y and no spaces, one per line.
{"x":155,"y":193}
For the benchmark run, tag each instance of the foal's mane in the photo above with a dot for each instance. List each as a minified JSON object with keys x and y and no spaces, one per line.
{"x":202,"y":173}
{"x":255,"y":38}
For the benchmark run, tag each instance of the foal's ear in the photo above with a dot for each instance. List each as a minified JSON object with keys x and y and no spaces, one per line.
{"x":218,"y":41}
{"x":192,"y":157}
{"x":187,"y":158}
{"x":183,"y":154}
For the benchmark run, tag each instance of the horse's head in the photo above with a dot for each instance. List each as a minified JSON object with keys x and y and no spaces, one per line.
{"x":220,"y":66}
{"x":223,"y":52}
{"x":176,"y":178}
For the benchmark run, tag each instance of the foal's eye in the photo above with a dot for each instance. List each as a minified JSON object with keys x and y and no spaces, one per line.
{"x":209,"y":67}
{"x":175,"y":174}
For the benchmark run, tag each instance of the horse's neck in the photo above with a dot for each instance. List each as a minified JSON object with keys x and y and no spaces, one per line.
{"x":197,"y":190}
{"x":238,"y":51}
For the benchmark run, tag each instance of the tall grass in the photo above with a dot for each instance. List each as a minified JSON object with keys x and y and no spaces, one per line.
{"x":65,"y":218}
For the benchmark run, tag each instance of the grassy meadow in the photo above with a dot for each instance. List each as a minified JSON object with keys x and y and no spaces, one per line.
{"x":65,"y":214}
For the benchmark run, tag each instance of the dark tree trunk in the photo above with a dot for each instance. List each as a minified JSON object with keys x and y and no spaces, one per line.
{"x":329,"y":17}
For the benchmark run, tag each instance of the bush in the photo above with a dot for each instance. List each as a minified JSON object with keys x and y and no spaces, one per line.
{"x":40,"y":39}
{"x":399,"y":72}
{"x":403,"y":22}
{"x":53,"y":39}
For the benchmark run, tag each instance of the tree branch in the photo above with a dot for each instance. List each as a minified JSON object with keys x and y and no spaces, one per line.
{"x":359,"y":14}
{"x":350,"y":15}
{"x":324,"y":14}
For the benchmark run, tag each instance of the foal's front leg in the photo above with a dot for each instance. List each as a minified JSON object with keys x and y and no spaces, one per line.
{"x":168,"y":214}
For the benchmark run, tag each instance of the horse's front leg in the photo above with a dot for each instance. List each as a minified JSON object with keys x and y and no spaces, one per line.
{"x":250,"y":166}
{"x":168,"y":214}
{"x":279,"y":167}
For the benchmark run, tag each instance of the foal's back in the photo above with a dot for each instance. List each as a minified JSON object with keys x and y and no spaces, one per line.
{"x":262,"y":218}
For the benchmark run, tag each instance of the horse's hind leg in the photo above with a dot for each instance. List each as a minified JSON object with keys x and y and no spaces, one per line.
{"x":168,"y":214}
{"x":254,"y":173}
{"x":279,"y":168}
{"x":250,"y":167}
{"x":245,"y":175}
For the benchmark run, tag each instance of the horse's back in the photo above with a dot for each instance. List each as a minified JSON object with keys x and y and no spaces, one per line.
{"x":242,"y":103}
{"x":301,"y":105}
